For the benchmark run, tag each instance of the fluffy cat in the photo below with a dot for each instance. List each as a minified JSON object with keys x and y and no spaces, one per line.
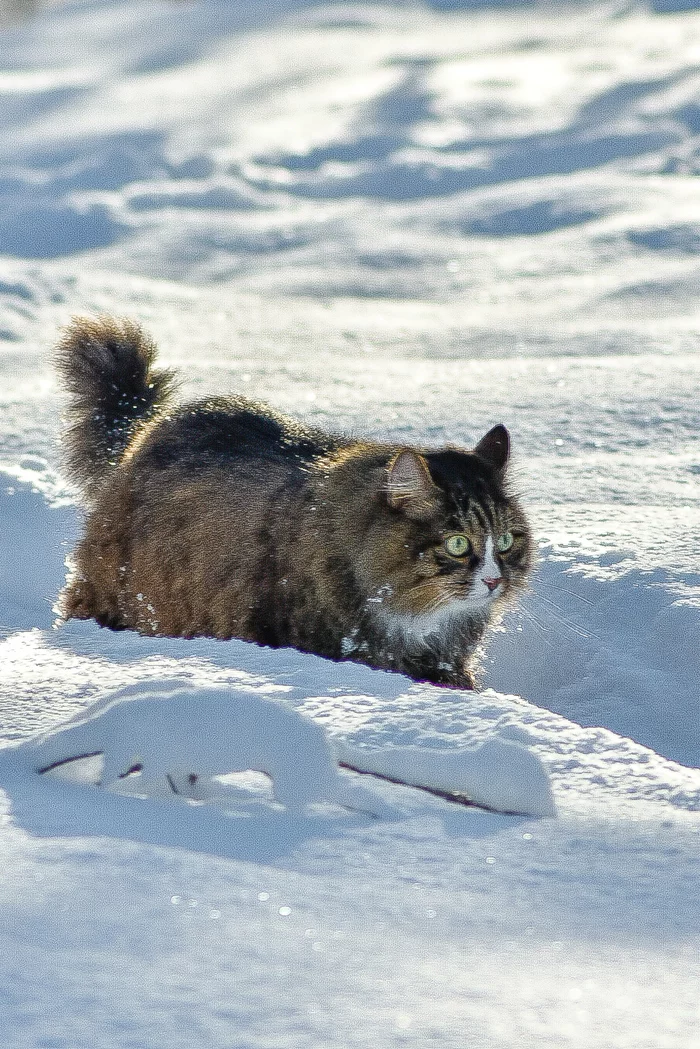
{"x":223,"y":518}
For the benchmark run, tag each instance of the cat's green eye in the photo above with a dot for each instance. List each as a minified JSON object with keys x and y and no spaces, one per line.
{"x":458,"y":545}
{"x":505,"y":541}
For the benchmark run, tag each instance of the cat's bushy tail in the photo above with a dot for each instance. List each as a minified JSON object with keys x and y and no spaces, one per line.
{"x":106,"y":366}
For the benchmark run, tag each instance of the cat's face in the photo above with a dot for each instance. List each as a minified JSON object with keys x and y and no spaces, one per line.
{"x":457,"y":543}
{"x":464,"y":559}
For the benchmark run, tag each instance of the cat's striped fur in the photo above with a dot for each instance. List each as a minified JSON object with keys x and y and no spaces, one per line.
{"x":224,"y":518}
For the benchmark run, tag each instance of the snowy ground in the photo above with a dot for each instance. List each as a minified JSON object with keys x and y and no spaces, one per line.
{"x":411,"y":221}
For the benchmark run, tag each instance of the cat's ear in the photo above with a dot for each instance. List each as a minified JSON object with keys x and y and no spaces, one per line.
{"x":409,"y":486}
{"x":494,"y":447}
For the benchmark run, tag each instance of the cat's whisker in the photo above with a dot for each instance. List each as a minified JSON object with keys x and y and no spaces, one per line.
{"x":426,"y":588}
{"x":553,"y":604}
{"x":438,"y":601}
{"x":530,"y":616}
{"x":425,"y":584}
{"x":557,"y":614}
{"x":563,"y":589}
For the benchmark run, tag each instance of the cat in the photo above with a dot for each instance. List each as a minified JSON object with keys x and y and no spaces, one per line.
{"x":223,"y":518}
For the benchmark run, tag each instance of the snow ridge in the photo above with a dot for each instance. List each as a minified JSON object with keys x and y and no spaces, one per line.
{"x":175,"y":738}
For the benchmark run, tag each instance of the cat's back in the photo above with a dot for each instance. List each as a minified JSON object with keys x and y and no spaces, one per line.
{"x":226,"y":433}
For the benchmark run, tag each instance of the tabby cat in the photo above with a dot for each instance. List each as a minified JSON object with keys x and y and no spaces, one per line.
{"x":225,"y":519}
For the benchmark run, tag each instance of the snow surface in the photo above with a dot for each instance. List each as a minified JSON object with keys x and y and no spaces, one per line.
{"x":155,"y":731}
{"x":412,"y":221}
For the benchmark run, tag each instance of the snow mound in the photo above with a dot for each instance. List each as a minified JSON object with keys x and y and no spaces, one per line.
{"x":497,"y":774}
{"x":174,"y":737}
{"x":28,"y":523}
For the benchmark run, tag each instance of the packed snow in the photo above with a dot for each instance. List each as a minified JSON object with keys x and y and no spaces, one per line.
{"x":155,"y":732}
{"x":414,"y":221}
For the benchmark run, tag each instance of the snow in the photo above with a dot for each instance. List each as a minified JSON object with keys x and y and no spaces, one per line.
{"x":155,"y":731}
{"x":413,"y":221}
{"x":497,"y":774}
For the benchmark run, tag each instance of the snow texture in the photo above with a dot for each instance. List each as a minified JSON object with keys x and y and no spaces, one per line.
{"x":414,"y":221}
{"x":156,"y":731}
{"x":497,"y":774}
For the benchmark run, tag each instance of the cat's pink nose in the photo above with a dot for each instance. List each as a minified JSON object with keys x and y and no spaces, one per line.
{"x":491,"y":582}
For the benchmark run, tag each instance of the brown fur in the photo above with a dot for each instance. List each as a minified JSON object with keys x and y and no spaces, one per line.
{"x":222,"y":518}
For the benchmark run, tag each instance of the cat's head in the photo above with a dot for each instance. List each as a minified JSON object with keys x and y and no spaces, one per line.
{"x":451,"y":538}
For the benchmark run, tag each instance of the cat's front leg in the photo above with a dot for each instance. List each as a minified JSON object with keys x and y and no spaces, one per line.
{"x":450,"y":673}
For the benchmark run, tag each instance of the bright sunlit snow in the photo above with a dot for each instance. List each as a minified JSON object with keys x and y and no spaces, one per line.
{"x":412,"y":221}
{"x":155,"y":732}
